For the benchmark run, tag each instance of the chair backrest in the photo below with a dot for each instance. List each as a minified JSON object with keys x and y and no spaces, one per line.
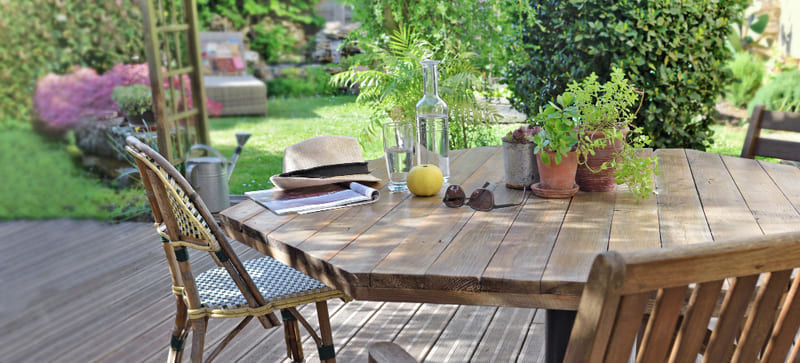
{"x":671,"y":295}
{"x":183,"y":220}
{"x":223,"y":53}
{"x":755,"y":144}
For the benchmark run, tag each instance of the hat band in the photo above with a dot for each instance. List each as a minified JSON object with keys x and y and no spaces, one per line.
{"x":328,"y":171}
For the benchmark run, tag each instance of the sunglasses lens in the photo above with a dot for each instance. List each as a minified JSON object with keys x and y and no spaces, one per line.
{"x":482,"y":200}
{"x":454,"y":196}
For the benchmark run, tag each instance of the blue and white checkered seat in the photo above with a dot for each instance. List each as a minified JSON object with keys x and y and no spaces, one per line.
{"x":280,"y":285}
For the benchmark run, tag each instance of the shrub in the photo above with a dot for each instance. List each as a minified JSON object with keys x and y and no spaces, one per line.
{"x":268,"y":21}
{"x":780,"y":94}
{"x":53,"y":36}
{"x":62,"y":101}
{"x":294,"y":82}
{"x":475,"y":26}
{"x":135,"y":99}
{"x":671,"y":50}
{"x":392,"y":88}
{"x":748,"y":73}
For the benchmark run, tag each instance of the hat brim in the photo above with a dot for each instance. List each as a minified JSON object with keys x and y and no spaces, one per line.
{"x":301,"y":182}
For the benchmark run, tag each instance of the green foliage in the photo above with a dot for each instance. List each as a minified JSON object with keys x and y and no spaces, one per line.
{"x":748,"y":73}
{"x":671,"y":50}
{"x":559,"y":134}
{"x":134,"y":99}
{"x":40,"y":180}
{"x":600,"y":115}
{"x":296,"y":82}
{"x":749,"y":34}
{"x":780,"y":94}
{"x":393,"y":86}
{"x":40,"y":37}
{"x":477,"y":26}
{"x":266,"y":19}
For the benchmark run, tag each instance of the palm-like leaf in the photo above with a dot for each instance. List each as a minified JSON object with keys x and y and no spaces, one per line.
{"x":394,"y":85}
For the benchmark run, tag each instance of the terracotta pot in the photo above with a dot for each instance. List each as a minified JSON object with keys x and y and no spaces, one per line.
{"x":602,"y":181}
{"x":557,"y":176}
{"x":520,"y":165}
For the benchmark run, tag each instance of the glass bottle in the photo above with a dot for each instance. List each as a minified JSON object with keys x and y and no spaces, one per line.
{"x":431,"y":113}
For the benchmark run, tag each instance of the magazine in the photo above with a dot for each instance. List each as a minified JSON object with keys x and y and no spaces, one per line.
{"x":314,"y":199}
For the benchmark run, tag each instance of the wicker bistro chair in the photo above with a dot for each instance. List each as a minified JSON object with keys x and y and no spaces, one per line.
{"x":254,"y":288}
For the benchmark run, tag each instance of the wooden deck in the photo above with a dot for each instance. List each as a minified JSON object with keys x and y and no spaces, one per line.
{"x":78,"y":291}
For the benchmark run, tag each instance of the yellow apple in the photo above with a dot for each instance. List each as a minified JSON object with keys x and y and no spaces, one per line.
{"x":424,"y":180}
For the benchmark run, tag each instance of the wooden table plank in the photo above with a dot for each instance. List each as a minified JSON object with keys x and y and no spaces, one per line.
{"x":521,"y":258}
{"x":786,"y":177}
{"x":370,"y":248}
{"x":460,"y":265}
{"x":634,"y":225}
{"x":772,"y":210}
{"x":680,"y":213}
{"x":233,"y":218}
{"x":406,"y":264}
{"x":585,"y":232}
{"x":726,"y":211}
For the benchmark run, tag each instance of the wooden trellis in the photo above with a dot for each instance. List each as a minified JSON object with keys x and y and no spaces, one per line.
{"x":176,"y":80}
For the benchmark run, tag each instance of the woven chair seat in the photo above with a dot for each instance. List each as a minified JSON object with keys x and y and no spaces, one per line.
{"x":282,"y":286}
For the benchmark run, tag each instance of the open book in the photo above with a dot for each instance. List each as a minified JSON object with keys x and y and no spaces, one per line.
{"x":314,"y":199}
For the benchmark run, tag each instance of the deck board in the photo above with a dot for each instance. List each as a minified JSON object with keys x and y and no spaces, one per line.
{"x":100,"y":292}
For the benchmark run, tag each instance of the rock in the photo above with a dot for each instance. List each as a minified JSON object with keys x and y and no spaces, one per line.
{"x":98,"y":138}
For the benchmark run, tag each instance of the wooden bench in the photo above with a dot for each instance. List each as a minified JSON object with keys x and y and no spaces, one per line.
{"x":225,"y":75}
{"x":666,"y":298}
{"x":755,"y":144}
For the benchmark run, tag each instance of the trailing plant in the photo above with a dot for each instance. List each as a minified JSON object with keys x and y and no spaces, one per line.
{"x":393,"y":85}
{"x":748,"y":74}
{"x":605,"y":118}
{"x":672,"y":50}
{"x":780,"y":94}
{"x":65,"y":34}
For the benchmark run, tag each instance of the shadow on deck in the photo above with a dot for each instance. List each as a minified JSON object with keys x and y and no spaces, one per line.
{"x":78,"y":291}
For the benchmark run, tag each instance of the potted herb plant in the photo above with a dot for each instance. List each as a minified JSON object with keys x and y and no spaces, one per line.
{"x":608,"y":139}
{"x":136,"y":103}
{"x":555,"y":149}
{"x":519,"y":158}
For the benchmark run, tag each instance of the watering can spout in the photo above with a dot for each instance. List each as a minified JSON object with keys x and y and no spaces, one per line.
{"x":241,"y":139}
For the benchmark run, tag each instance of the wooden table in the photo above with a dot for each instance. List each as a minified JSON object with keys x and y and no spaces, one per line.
{"x":538,"y":255}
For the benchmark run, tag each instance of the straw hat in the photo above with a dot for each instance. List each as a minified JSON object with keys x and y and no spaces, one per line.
{"x":323,"y":160}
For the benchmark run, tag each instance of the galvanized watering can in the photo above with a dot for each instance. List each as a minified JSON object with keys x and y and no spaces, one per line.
{"x":209,"y":175}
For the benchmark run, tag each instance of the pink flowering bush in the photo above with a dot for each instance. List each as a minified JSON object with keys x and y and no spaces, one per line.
{"x":62,"y":102}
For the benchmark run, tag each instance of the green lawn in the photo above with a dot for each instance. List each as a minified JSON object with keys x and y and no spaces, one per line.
{"x":42,"y":181}
{"x":289,"y":121}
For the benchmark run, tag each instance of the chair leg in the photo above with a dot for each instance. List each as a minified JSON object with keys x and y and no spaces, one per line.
{"x":291,"y":331}
{"x":178,"y":332}
{"x":198,"y":338}
{"x":326,"y":351}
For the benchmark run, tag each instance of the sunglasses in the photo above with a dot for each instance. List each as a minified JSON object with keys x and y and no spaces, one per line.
{"x":481,"y":199}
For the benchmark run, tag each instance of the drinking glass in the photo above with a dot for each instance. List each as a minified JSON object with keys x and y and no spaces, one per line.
{"x":398,"y":143}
